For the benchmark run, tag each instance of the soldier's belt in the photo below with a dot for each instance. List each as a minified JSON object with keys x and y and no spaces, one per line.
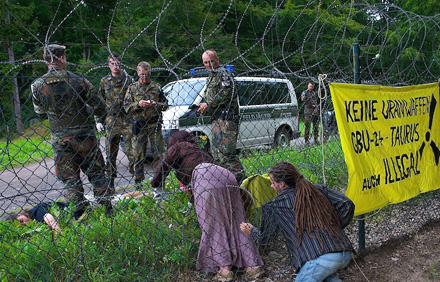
{"x":225,"y":115}
{"x":57,"y":124}
{"x":139,"y":124}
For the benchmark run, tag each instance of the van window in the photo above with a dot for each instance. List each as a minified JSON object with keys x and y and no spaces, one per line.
{"x":183,"y":93}
{"x":278,"y":93}
{"x":251,"y":93}
{"x":263,"y":93}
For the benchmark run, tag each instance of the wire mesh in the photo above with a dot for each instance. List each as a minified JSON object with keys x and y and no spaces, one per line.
{"x":171,"y":234}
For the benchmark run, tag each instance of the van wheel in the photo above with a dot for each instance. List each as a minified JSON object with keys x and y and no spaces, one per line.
{"x":282,"y":137}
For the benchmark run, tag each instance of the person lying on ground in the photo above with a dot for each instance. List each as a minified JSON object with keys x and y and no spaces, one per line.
{"x":40,"y":213}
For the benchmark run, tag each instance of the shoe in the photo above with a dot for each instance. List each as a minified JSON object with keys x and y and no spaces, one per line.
{"x":80,"y":209}
{"x":160,"y":196}
{"x":109,"y":212}
{"x":188,"y":208}
{"x":225,"y":278}
{"x":253,"y":273}
{"x":138,"y":185}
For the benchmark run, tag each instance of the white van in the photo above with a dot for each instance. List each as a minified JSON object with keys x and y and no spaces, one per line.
{"x":268,"y":110}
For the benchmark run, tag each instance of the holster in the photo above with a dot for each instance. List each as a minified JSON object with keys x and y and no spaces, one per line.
{"x":138,"y":125}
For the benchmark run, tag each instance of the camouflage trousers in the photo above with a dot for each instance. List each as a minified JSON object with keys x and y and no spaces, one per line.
{"x":81,"y":153}
{"x":153,"y":133}
{"x":308,"y":119}
{"x":114,"y":128}
{"x":224,"y":147}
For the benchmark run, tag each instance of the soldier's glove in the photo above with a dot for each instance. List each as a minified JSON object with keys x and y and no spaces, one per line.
{"x":99,"y":127}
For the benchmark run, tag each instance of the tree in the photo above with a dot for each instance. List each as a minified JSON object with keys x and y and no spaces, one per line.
{"x":14,"y":16}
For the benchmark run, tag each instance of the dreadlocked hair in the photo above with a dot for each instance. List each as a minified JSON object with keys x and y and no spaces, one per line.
{"x":313,"y":211}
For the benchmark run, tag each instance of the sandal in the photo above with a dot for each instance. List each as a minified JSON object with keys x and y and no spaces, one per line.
{"x":224,"y":278}
{"x":253,"y":273}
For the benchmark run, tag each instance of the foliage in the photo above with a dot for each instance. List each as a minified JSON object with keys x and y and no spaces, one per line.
{"x":308,"y":159}
{"x":142,"y":240}
{"x":32,"y":146}
{"x":252,"y":35}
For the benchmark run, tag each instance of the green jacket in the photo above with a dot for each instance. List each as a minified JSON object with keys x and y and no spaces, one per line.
{"x":113,"y":89}
{"x":137,"y":92}
{"x":68,"y":100}
{"x":221,"y":95}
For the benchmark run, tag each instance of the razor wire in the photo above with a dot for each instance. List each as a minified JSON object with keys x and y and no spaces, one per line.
{"x":156,"y":237}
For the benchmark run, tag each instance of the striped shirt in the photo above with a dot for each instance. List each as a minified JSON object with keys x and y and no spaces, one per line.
{"x":278,"y":215}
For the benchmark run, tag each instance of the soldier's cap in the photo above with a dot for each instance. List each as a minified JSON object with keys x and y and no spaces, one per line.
{"x":54,"y":49}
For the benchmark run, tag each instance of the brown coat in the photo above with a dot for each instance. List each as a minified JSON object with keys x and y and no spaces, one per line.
{"x":183,"y":157}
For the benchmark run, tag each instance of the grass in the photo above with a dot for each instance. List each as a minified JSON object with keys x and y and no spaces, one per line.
{"x":308,"y":159}
{"x":22,"y":152}
{"x":142,"y":240}
{"x":30,"y":147}
{"x":435,"y":273}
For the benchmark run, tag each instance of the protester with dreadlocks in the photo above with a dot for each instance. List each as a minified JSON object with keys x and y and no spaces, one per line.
{"x":312,"y":218}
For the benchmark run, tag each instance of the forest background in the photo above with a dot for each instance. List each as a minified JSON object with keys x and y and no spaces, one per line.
{"x":294,"y":39}
{"x":299,"y":39}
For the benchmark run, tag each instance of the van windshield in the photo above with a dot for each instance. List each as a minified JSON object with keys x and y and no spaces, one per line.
{"x":183,"y":93}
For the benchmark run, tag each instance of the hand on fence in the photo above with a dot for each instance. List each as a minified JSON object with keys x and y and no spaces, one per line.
{"x":246,"y":227}
{"x":99,"y":127}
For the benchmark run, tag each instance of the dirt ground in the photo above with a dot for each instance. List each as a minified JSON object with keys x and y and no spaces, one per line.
{"x":414,"y":258}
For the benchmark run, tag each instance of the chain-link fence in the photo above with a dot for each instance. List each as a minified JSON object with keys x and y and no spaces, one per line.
{"x":97,"y":189}
{"x":167,"y":233}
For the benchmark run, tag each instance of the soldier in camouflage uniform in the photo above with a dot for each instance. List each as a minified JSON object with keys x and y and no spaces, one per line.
{"x":311,"y":111}
{"x":221,"y":102}
{"x":113,"y":88}
{"x":144,"y":103}
{"x":65,"y":97}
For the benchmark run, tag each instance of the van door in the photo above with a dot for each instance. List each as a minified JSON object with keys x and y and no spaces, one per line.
{"x":255,"y":126}
{"x":280,"y":102}
{"x":285,"y":116}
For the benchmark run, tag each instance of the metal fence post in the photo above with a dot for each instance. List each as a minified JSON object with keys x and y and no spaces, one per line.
{"x":360,"y":218}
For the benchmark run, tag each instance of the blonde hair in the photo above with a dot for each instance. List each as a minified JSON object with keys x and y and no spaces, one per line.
{"x":145,"y":65}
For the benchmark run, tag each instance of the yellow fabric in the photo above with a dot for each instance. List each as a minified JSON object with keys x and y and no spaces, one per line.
{"x":391,"y":141}
{"x":258,"y":186}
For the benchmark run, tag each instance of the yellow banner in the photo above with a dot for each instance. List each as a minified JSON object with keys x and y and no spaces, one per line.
{"x":391,"y":141}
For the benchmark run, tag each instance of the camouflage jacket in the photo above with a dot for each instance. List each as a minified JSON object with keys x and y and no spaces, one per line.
{"x":310,"y":101}
{"x":137,"y":92}
{"x":112,"y":89}
{"x":68,"y":100}
{"x":221,"y":95}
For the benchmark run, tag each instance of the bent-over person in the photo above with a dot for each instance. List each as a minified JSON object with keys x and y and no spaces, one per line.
{"x":311,"y":218}
{"x":218,"y":206}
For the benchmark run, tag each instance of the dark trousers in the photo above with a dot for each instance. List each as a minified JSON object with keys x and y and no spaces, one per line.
{"x":308,"y":119}
{"x":76,"y":154}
